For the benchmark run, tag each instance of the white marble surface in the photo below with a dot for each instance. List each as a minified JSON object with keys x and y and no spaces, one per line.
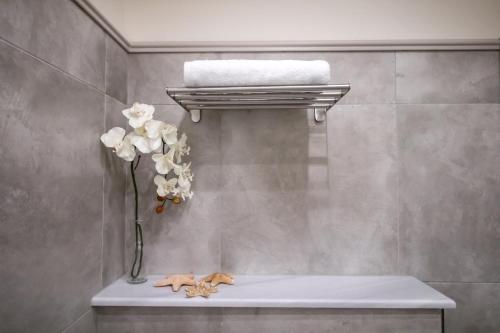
{"x":292,"y":291}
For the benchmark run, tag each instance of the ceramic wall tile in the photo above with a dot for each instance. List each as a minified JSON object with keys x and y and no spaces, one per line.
{"x":150,"y":74}
{"x":85,"y":324}
{"x":449,"y":192}
{"x":158,"y":320}
{"x":371,"y":74}
{"x":329,"y":320}
{"x":52,"y":194}
{"x":58,"y":32}
{"x":185,"y":237}
{"x":362,"y":162}
{"x":114,"y":199}
{"x":477,"y":309}
{"x":447,"y":77}
{"x":116,"y":70}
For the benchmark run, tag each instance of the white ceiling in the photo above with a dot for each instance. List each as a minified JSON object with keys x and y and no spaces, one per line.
{"x":157,"y":22}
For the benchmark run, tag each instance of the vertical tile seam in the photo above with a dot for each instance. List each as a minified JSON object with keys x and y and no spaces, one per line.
{"x":219,"y":190}
{"x":103,"y":170}
{"x":126,"y":230}
{"x":398,"y":190}
{"x":126,"y":184}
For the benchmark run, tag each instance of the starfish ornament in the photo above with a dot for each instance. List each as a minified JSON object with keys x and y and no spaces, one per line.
{"x":217,"y":278}
{"x":177,"y":281}
{"x":200,"y":289}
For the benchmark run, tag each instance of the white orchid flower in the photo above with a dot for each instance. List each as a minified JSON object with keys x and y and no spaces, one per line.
{"x":169,"y":134}
{"x":184,"y":171}
{"x":184,"y":188}
{"x":165,"y":187}
{"x":181,"y":148}
{"x":125,"y":150}
{"x":138,"y":114}
{"x":115,"y":138}
{"x":156,"y":128}
{"x":143,"y":143}
{"x":164,"y":162}
{"x":152,"y":128}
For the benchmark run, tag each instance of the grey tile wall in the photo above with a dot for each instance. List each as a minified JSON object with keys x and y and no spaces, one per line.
{"x":371,"y":75}
{"x":116,"y":71}
{"x":151,"y":320}
{"x":228,"y":320}
{"x":114,"y":199}
{"x":401,"y":180}
{"x":360,"y":235}
{"x":450,"y":191}
{"x":189,"y":231}
{"x":85,"y":324}
{"x":447,"y":77}
{"x":52,"y":194}
{"x":58,"y":32}
{"x":382,"y":188}
{"x":477,"y":306}
{"x":62,"y":223}
{"x":267,"y":320}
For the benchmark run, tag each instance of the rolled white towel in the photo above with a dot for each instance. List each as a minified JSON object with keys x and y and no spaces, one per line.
{"x":223,"y":73}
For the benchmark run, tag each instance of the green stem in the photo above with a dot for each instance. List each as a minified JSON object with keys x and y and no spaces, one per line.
{"x":136,"y":266}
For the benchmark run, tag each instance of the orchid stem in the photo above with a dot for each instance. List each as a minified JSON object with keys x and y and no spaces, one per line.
{"x":136,"y":266}
{"x":137,"y":163}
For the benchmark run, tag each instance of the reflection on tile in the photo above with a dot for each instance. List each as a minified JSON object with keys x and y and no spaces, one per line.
{"x":114,"y":200}
{"x":449,"y":191}
{"x":116,"y":70}
{"x":52,"y":186}
{"x":158,"y":320}
{"x":478,"y":306}
{"x":58,"y":32}
{"x":266,"y":320}
{"x":448,"y":77}
{"x":362,"y":220}
{"x":267,"y":232}
{"x":371,"y":74}
{"x":264,"y":150}
{"x":150,"y":74}
{"x":184,"y":237}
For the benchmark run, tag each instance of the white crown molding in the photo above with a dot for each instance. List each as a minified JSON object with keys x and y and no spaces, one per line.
{"x":103,"y":22}
{"x":286,"y":46}
{"x":317,"y":46}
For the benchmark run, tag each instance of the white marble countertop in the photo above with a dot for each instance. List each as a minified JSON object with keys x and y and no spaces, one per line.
{"x":288,"y":291}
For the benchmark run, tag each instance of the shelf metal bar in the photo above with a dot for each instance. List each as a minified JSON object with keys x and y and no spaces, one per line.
{"x":319,"y":88}
{"x":257,"y":102}
{"x":257,"y":107}
{"x":317,"y":97}
{"x":290,"y":95}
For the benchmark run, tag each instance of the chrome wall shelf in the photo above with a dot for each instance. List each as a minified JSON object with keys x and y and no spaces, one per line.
{"x":318,"y":97}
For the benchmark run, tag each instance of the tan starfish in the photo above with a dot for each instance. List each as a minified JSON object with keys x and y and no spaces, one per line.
{"x":200,"y":289}
{"x":177,"y":281}
{"x":217,"y":278}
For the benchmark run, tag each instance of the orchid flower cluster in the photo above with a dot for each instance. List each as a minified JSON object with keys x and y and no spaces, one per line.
{"x":161,"y":139}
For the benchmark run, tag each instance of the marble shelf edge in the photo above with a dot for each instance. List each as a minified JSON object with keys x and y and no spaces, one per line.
{"x":286,"y":291}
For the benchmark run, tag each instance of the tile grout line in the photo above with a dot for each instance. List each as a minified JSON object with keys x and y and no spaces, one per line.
{"x":398,"y":192}
{"x":462,"y":282}
{"x":76,"y":321}
{"x":104,"y":171}
{"x":54,"y":67}
{"x":219,"y":138}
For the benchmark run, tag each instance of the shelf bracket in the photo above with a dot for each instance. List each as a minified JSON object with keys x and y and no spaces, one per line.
{"x":195,"y":115}
{"x":320,"y":114}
